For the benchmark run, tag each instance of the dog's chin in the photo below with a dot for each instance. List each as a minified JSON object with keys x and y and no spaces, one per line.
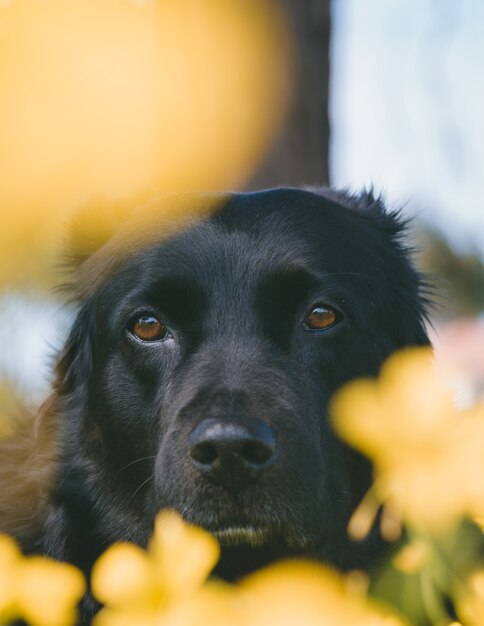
{"x":245,"y":549}
{"x":238,"y":559}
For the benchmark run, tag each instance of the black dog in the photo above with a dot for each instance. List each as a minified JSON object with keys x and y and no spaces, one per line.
{"x":198,"y":373}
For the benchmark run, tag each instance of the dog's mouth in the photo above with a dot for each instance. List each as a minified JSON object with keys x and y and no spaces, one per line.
{"x":240,"y":558}
{"x":257,"y":532}
{"x":246,"y":548}
{"x":241,"y":535}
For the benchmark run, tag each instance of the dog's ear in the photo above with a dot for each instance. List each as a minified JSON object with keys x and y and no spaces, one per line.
{"x":371,"y":206}
{"x":388,"y":228}
{"x":396,"y":228}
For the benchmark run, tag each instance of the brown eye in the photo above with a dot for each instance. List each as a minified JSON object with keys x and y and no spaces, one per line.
{"x":321,"y":317}
{"x":148,"y":328}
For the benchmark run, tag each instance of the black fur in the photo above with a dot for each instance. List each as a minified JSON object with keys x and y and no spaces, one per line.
{"x":234,"y":290}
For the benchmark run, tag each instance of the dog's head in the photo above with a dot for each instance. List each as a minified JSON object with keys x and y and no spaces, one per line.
{"x":198,"y":373}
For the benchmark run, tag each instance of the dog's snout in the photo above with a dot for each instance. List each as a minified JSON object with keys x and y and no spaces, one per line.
{"x":232,"y":454}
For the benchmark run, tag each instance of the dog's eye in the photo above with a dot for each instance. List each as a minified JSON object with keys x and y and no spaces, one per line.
{"x":148,"y":328}
{"x":321,"y":317}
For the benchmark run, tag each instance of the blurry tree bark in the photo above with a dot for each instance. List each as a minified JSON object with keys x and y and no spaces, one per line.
{"x":300,"y":154}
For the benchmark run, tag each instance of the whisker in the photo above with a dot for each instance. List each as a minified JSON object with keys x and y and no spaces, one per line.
{"x":359,"y":274}
{"x":141,"y":486}
{"x":144,"y":458}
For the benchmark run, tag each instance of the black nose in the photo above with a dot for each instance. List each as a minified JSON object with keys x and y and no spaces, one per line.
{"x":232,"y":454}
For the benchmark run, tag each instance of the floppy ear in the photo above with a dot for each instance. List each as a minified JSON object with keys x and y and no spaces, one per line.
{"x":396,"y":228}
{"x":393,"y":230}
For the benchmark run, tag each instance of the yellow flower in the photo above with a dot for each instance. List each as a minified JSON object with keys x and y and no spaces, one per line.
{"x":471,"y":600}
{"x":73,"y":128}
{"x":428,"y":456}
{"x":37,"y":589}
{"x":9,"y":557}
{"x":143,"y":585}
{"x":166,"y":586}
{"x":184,"y":554}
{"x":290,"y":593}
{"x":214,"y":604}
{"x":125,"y":575}
{"x":412,"y":557}
{"x":48,"y":591}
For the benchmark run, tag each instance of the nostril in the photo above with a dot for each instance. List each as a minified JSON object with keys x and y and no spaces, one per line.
{"x":204,"y":453}
{"x":256,"y":452}
{"x":232,"y":453}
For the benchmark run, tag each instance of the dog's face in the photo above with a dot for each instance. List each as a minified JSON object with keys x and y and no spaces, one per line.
{"x":201,"y":372}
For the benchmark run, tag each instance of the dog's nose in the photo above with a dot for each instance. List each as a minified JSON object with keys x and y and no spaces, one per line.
{"x":232,"y":454}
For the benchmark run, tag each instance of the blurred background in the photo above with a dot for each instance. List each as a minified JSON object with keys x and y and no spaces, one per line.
{"x":352,"y":94}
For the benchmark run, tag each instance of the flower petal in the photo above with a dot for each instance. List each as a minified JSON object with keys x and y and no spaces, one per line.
{"x":48,"y":591}
{"x":184,"y":554}
{"x":124,"y":575}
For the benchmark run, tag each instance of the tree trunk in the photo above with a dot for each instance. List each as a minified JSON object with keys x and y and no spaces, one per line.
{"x":299,"y":155}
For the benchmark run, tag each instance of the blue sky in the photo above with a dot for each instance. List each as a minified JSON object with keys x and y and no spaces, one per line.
{"x":407,"y":107}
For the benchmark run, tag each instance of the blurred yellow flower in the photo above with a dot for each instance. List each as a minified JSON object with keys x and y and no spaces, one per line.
{"x":184,"y":554}
{"x":214,"y":604}
{"x":412,"y":557}
{"x":9,"y":557}
{"x":144,"y":586}
{"x":127,"y":99}
{"x":37,"y":589}
{"x":290,"y":593}
{"x":428,"y":456}
{"x":125,"y":575}
{"x":471,"y":600}
{"x":166,"y":586}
